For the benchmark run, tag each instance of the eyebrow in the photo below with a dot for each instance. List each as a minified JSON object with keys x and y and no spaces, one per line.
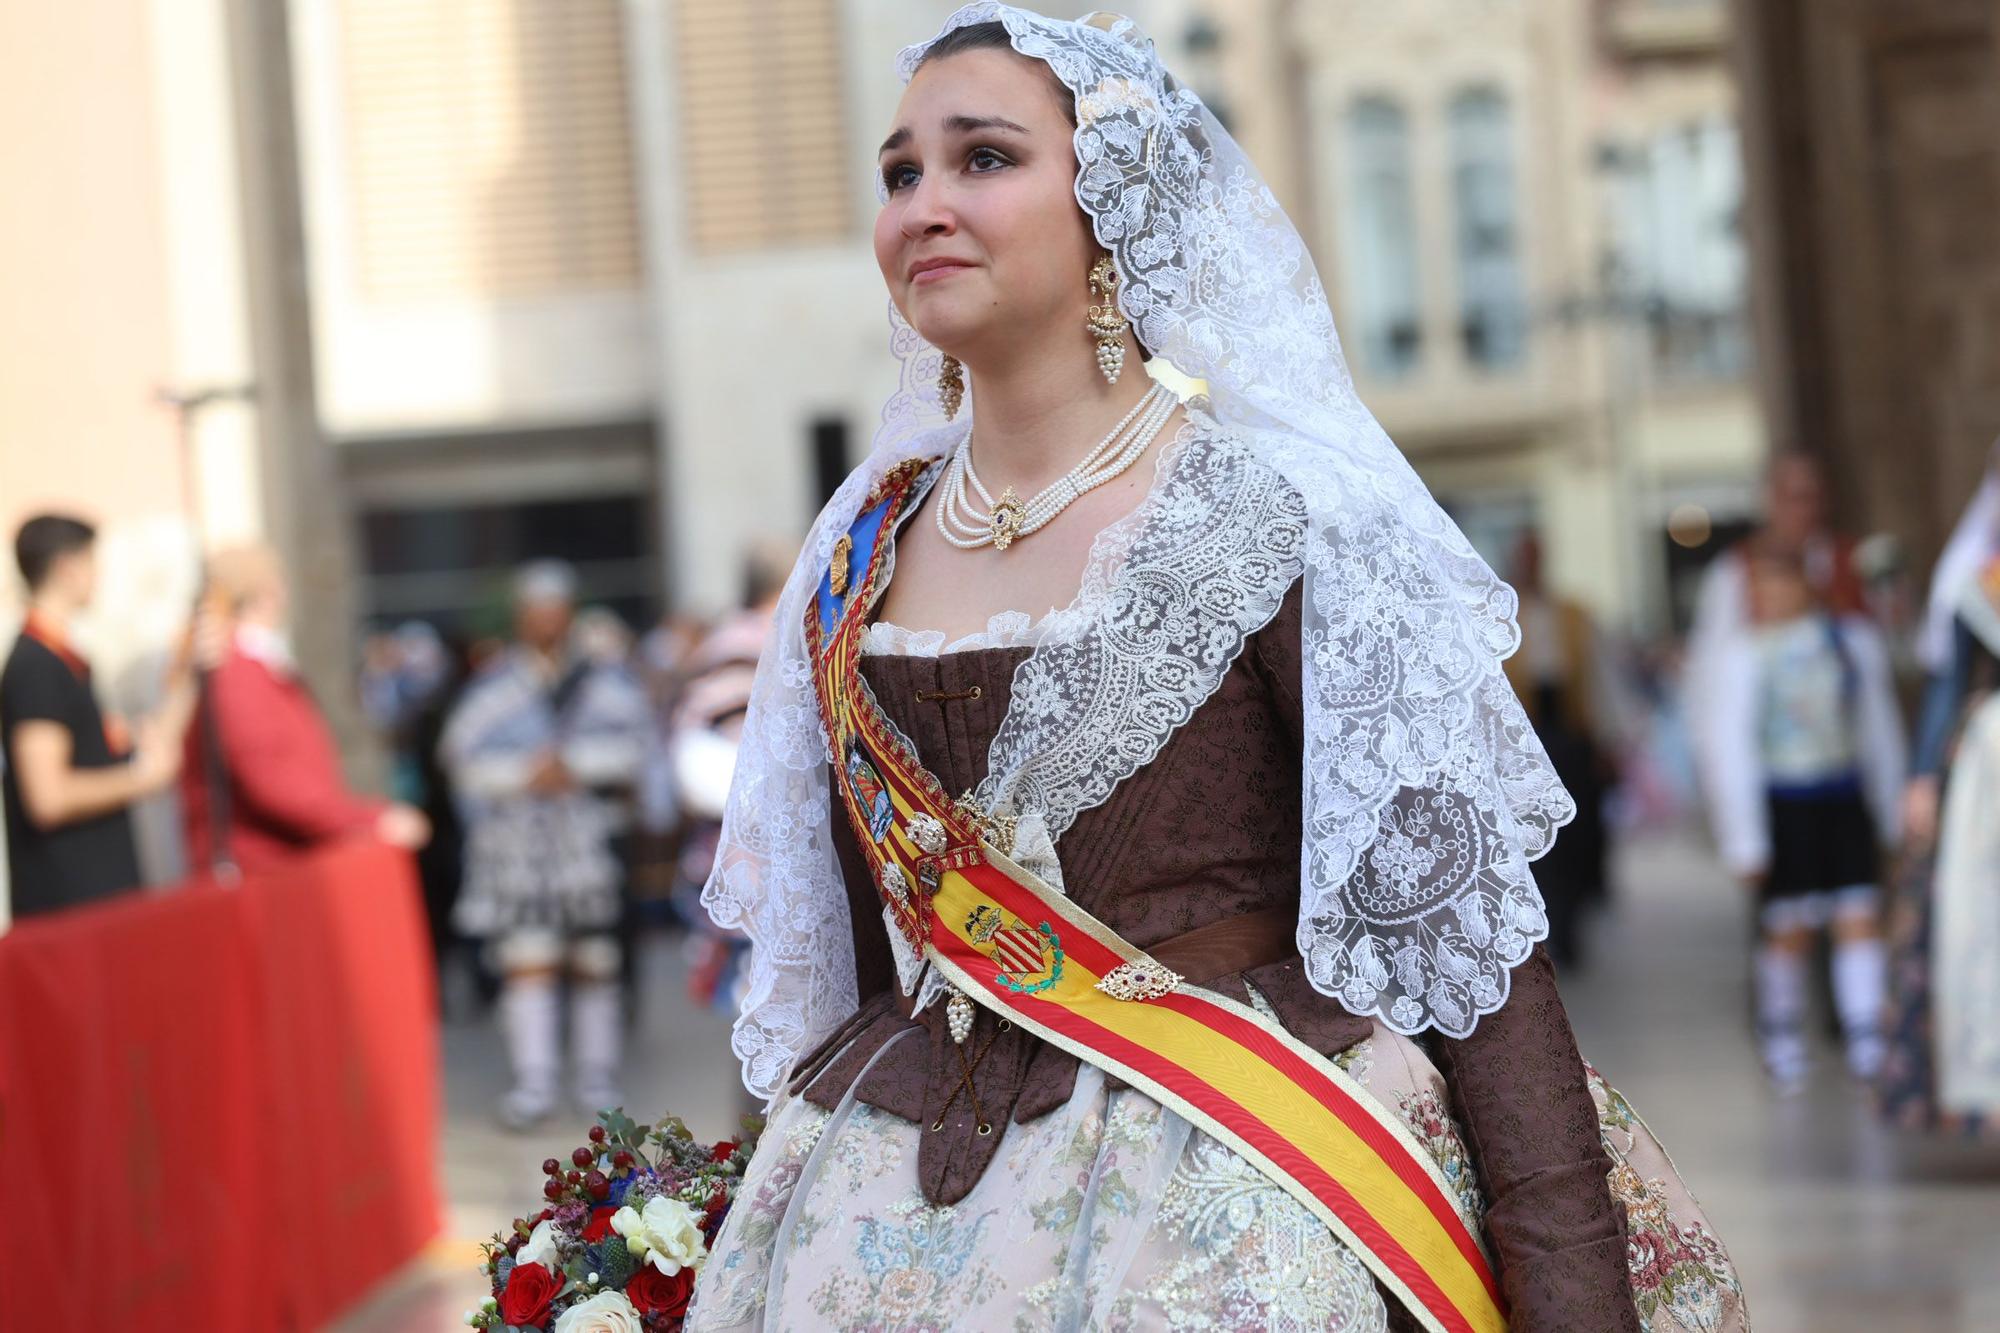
{"x":959,"y":124}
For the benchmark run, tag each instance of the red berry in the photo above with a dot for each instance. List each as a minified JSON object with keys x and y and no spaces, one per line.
{"x":622,"y":1160}
{"x":599,"y":1187}
{"x":550,"y":1166}
{"x":575,"y":1177}
{"x":583,"y":1157}
{"x":552,"y":1189}
{"x":597,"y":1133}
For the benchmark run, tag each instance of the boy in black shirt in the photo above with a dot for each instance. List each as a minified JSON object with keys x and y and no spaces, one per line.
{"x":70,"y":775}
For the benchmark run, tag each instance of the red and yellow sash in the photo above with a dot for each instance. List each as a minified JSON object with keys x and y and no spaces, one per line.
{"x":1015,"y":945}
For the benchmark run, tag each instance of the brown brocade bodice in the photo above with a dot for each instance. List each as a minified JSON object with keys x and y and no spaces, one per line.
{"x":1208,"y":831}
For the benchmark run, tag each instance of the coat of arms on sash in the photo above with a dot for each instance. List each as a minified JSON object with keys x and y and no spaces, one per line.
{"x":1030,"y":958}
{"x":871,"y":794}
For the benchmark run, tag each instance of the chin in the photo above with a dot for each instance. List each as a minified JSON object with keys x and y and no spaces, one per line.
{"x":951,"y":319}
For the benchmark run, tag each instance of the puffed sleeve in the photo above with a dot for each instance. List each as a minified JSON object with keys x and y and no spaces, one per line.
{"x":1525,"y":1107}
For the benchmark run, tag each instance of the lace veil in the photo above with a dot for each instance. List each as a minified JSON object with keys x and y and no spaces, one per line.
{"x":1426,"y":793}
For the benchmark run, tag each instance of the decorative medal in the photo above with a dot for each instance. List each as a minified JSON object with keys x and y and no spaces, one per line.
{"x":929,"y":833}
{"x":1140,"y":979}
{"x":843,"y":557}
{"x":1008,"y":516}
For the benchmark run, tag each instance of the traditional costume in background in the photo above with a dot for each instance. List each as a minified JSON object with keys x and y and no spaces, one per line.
{"x":1150,"y":965}
{"x":1944,"y":1060}
{"x":542,"y":883}
{"x":1804,"y":788}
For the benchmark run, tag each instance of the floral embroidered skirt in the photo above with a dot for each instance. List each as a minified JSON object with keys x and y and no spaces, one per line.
{"x":1114,"y":1213}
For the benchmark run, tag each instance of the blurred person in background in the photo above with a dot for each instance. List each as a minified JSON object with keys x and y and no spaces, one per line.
{"x":1561,"y":674}
{"x":541,"y":749}
{"x":283,"y":791}
{"x":410,"y":679}
{"x":708,"y":726}
{"x":1943,"y":1069}
{"x":402,"y":673}
{"x":1804,"y":792}
{"x":71,"y":774}
{"x":1794,"y":527}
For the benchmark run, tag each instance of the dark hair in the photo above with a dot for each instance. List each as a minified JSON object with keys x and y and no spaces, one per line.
{"x":45,"y":539}
{"x":992,"y":36}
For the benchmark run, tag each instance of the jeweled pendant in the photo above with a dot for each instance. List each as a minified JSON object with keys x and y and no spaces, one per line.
{"x":1008,"y":515}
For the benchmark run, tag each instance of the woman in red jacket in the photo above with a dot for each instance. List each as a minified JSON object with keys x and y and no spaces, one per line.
{"x":285,"y":791}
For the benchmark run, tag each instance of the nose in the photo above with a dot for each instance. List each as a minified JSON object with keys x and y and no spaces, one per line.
{"x":929,"y":211}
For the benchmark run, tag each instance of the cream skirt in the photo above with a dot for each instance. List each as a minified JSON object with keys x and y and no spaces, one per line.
{"x":1114,"y":1213}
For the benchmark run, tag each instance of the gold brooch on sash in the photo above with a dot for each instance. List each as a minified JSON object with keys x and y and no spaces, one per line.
{"x":1140,"y":979}
{"x":843,"y":556}
{"x":996,"y":829}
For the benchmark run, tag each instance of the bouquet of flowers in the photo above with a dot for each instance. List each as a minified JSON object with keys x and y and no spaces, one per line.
{"x":628,"y":1223}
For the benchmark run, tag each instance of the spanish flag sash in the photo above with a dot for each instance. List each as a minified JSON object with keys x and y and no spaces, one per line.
{"x":1018,"y":947}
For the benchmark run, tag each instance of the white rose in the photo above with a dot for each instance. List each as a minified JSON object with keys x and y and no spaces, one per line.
{"x":667,"y":1235}
{"x":540,"y":1248}
{"x":606,"y":1312}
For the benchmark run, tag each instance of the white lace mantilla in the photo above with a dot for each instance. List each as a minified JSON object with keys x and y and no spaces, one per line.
{"x":1426,"y":793}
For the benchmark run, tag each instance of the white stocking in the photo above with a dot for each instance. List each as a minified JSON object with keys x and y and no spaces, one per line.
{"x":596,"y":1033}
{"x":1860,"y":979}
{"x":531,"y":1018}
{"x":1781,"y":1012}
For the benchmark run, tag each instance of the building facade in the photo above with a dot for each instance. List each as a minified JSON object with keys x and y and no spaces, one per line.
{"x":1527,"y":216}
{"x":1874,"y":138}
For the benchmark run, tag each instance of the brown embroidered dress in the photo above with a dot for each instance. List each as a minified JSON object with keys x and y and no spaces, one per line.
{"x":893,"y":1192}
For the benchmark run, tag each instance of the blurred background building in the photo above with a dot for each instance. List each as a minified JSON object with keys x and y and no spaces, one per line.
{"x":444,"y":282}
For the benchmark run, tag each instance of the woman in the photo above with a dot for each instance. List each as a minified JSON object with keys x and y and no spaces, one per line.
{"x":1241,"y":855}
{"x":1943,"y":1066}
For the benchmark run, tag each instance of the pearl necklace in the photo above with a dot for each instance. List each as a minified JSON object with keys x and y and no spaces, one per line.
{"x":1008,"y":519}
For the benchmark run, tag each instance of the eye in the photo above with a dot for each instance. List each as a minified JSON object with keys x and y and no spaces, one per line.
{"x":987,"y":159}
{"x":898,"y":176}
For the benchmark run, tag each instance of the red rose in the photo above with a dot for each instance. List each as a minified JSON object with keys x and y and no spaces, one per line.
{"x":530,"y":1288}
{"x":654,"y":1293}
{"x":599,"y":1225}
{"x":723,"y":1151}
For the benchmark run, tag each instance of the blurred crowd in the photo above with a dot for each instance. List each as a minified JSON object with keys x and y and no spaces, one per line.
{"x":562,"y":786}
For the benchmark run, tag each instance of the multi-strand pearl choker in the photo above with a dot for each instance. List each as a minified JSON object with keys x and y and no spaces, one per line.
{"x":1008,"y":519}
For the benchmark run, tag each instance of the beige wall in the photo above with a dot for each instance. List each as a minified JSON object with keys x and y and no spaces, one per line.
{"x":125,"y":277}
{"x":84,"y":315}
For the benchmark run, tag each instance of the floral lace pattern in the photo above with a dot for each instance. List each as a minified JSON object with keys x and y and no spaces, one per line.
{"x":1169,"y":596}
{"x":1426,"y":792}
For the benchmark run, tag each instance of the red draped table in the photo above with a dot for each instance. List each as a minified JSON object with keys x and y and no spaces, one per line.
{"x":218,"y":1106}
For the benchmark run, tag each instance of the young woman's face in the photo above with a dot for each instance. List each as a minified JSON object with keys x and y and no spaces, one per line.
{"x":981,"y":241}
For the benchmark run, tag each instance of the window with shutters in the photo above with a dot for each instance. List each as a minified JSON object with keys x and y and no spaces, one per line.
{"x":763,"y":123}
{"x":1493,"y":311}
{"x":490,"y":147}
{"x":1379,"y":228}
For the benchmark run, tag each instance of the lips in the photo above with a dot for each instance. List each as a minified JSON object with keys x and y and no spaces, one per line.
{"x":934,"y":269}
